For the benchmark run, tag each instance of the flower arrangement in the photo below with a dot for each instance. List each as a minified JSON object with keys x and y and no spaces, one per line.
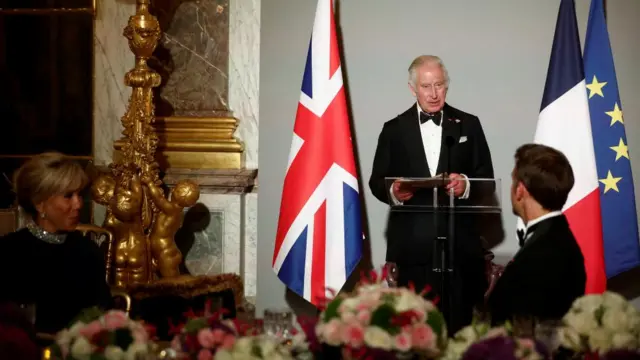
{"x":504,"y":347}
{"x":261,"y":347}
{"x":201,"y":338}
{"x":110,"y":336}
{"x":382,"y":322}
{"x":465,"y":337}
{"x":600,"y":323}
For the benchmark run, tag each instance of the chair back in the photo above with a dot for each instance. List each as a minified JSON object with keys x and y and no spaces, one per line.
{"x":102,"y":237}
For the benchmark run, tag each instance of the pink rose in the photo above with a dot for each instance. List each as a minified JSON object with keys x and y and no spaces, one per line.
{"x":402,"y":342}
{"x":176,"y":344}
{"x":115,"y":320}
{"x":206,"y":338}
{"x":353,"y":334}
{"x":228,"y":342}
{"x":364,"y":317}
{"x":423,"y":337}
{"x":348,"y":316}
{"x":333,"y":332}
{"x":89,"y":330}
{"x":140,"y":335}
{"x":205,"y":354}
{"x":526,"y":343}
{"x":218,"y":336}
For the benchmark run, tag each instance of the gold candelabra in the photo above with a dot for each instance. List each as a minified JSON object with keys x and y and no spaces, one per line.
{"x":143,"y":220}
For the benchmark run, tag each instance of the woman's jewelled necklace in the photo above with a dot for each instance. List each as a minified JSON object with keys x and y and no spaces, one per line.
{"x":46,"y":236}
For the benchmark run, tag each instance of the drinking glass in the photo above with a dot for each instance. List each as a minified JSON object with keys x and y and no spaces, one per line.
{"x":547,"y":332}
{"x":285,"y":324}
{"x":271,"y":327}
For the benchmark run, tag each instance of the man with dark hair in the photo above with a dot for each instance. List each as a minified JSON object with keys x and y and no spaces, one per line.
{"x":547,"y":274}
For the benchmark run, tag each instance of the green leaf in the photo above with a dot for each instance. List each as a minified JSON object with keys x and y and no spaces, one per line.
{"x":382,"y":318}
{"x":436,"y":321}
{"x":97,"y":357}
{"x":195,"y":325}
{"x":332,"y":309}
{"x":122,"y":338}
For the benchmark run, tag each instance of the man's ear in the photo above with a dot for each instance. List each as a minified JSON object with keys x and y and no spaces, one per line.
{"x":521,"y":191}
{"x":412,"y":89}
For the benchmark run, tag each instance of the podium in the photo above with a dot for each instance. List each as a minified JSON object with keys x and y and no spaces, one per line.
{"x":442,"y":208}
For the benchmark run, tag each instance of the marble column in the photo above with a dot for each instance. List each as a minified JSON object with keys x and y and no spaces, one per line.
{"x":112,"y":60}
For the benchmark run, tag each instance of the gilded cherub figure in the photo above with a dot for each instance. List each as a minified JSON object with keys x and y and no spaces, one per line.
{"x":131,"y":255}
{"x":102,"y":190}
{"x":168,"y":221}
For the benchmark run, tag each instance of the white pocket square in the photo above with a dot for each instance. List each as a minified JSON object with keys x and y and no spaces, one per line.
{"x":463,"y":139}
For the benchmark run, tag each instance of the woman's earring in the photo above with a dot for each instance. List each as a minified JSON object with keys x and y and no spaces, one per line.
{"x":42,"y":215}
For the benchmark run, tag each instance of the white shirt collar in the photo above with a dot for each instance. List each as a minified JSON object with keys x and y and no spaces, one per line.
{"x":420,"y":110}
{"x":542,"y":218}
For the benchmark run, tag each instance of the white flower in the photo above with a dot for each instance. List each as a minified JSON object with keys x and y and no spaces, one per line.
{"x":243,"y":345}
{"x":614,"y":319}
{"x":588,"y":303}
{"x":613,"y":300}
{"x":455,"y":350}
{"x":599,"y":341}
{"x":113,"y":353}
{"x":224,"y":355}
{"x":349,"y":304}
{"x":495,"y":332}
{"x":377,"y":338}
{"x":81,"y":349}
{"x":408,"y":301}
{"x":624,"y":341}
{"x":583,"y":323}
{"x":75,"y":329}
{"x":134,"y":350}
{"x":570,"y":338}
{"x":467,"y":334}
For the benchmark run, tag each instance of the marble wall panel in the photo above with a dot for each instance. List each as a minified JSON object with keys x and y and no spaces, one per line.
{"x":112,"y":60}
{"x":193,"y":57}
{"x":244,"y":73}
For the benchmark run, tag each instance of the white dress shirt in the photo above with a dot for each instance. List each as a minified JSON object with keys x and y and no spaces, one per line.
{"x":538,"y":220}
{"x":431,"y":143}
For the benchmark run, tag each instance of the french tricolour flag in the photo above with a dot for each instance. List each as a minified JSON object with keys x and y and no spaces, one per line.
{"x":564,"y":124}
{"x":319,"y":236}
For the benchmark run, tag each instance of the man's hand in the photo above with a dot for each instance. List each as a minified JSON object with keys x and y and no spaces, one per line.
{"x":401,"y":193}
{"x":457,"y":183}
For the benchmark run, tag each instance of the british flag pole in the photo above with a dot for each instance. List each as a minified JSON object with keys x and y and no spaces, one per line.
{"x":319,"y":235}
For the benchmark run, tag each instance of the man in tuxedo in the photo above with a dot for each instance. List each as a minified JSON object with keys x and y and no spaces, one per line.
{"x":547,"y":274}
{"x":432,"y":138}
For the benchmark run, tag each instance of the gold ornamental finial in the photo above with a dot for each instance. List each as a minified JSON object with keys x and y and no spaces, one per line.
{"x":141,"y":218}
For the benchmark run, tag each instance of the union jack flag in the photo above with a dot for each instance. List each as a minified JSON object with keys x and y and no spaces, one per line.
{"x":319,"y":237}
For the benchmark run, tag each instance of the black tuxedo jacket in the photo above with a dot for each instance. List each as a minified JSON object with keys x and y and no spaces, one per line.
{"x":544,"y":278}
{"x":400,"y":153}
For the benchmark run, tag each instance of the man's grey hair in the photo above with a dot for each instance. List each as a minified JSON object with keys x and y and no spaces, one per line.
{"x":427,"y":60}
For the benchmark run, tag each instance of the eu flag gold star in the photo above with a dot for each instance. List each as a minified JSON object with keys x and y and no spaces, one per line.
{"x":616,"y":115}
{"x":595,"y":88}
{"x":610,"y":183}
{"x":621,"y":150}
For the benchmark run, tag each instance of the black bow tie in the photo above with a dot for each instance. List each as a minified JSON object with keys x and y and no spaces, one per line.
{"x":522,"y":236}
{"x":436,"y":118}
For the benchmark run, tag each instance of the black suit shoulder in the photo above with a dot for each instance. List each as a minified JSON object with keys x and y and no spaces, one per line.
{"x":552,"y":263}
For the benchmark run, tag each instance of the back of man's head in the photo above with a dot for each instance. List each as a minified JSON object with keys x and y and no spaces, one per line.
{"x":546,"y":174}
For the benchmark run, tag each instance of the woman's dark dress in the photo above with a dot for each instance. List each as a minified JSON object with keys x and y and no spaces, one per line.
{"x":60,"y":279}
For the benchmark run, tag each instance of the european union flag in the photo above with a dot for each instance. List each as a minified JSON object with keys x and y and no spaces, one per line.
{"x":617,"y":198}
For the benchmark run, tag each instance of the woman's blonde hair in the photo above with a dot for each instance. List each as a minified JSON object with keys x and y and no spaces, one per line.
{"x":46,"y":175}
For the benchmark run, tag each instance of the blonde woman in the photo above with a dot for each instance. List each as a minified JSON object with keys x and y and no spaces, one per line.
{"x":48,"y":265}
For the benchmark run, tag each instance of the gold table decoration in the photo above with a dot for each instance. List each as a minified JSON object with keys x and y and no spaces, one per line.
{"x":142,"y":218}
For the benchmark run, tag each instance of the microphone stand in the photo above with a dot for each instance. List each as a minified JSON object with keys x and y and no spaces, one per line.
{"x":448,"y":248}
